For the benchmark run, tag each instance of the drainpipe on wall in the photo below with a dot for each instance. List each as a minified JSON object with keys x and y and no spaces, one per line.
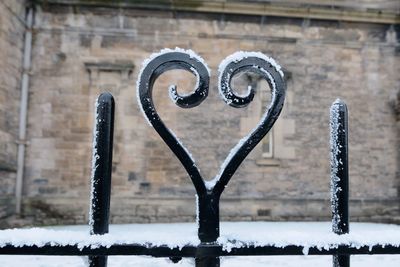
{"x":23,"y":108}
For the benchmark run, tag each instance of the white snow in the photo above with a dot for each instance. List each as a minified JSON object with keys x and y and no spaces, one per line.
{"x":233,"y":234}
{"x":155,"y":234}
{"x":334,"y":127}
{"x":197,"y":212}
{"x":143,"y":261}
{"x":239,"y":55}
{"x":173,"y":95}
{"x":306,"y":234}
{"x":95,"y":156}
{"x":211,"y":183}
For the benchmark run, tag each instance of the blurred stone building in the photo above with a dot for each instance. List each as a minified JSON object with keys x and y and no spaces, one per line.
{"x":79,"y":48}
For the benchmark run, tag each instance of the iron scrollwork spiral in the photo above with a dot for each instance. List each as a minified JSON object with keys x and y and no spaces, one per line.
{"x":152,"y":69}
{"x":268,"y":69}
{"x":209,"y":192}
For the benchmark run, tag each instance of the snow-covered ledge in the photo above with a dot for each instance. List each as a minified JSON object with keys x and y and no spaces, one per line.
{"x":292,"y":237}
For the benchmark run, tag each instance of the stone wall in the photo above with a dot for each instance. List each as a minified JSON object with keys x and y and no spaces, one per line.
{"x":12,"y":16}
{"x":80,"y":51}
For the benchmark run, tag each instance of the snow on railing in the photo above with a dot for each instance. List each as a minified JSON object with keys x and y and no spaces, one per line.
{"x":243,"y":239}
{"x":234,"y":236}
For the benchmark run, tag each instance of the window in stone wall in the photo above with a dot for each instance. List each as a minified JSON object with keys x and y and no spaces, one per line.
{"x":264,"y":98}
{"x":261,"y":101}
{"x":268,"y":145}
{"x":268,"y":141}
{"x":271,"y":148}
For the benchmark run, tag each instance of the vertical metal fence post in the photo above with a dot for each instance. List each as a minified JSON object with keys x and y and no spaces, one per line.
{"x":339,"y":175}
{"x":208,"y":217}
{"x":101,"y":171}
{"x":207,"y":262}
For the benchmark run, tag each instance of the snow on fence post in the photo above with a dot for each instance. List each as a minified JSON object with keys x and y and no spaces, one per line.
{"x":339,"y":175}
{"x":101,"y":171}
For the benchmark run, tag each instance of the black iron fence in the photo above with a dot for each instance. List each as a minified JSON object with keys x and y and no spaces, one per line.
{"x":209,"y":251}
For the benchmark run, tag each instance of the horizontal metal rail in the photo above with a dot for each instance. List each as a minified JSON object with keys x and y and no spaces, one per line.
{"x":212,"y":250}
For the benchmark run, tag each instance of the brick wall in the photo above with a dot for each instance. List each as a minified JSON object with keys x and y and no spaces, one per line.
{"x":73,"y":49}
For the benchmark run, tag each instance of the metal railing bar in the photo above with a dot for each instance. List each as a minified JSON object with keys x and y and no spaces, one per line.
{"x":212,"y":250}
